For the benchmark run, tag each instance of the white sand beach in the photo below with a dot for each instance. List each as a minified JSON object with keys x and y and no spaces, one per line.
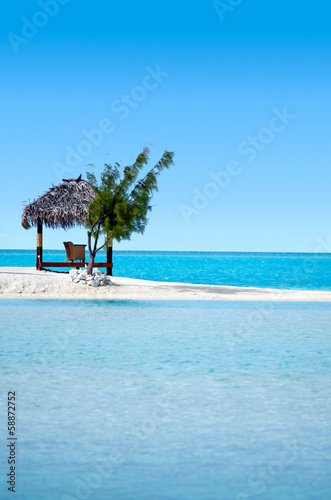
{"x":28,"y":283}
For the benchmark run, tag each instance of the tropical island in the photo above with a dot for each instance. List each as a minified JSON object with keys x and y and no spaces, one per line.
{"x":114,"y":208}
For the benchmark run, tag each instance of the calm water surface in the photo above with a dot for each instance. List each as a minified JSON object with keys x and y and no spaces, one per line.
{"x":167,"y":400}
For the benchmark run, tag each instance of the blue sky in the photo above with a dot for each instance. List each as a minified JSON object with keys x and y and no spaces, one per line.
{"x":246,"y":92}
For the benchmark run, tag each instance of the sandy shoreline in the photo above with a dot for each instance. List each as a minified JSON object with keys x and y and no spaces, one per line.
{"x":27,"y":283}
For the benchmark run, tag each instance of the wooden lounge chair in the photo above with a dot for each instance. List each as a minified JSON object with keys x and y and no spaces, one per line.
{"x":74,"y":252}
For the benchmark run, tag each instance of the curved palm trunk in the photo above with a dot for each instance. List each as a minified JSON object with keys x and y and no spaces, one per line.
{"x":92,"y":253}
{"x":90,"y":265}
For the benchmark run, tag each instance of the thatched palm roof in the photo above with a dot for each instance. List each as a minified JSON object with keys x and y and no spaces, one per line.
{"x":62,"y":206}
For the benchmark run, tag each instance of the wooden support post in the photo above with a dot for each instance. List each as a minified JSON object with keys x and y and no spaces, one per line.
{"x":110,"y":256}
{"x":39,"y":244}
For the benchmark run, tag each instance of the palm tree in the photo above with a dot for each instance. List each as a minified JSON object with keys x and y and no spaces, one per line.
{"x":122,"y":201}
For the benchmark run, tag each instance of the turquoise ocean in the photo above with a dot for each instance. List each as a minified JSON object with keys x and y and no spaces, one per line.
{"x":171,"y":400}
{"x":265,"y":270}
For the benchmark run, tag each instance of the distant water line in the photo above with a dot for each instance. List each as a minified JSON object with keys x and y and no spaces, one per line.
{"x":297,"y":271}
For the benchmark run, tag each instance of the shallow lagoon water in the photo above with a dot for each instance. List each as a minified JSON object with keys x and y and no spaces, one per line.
{"x":168,"y":400}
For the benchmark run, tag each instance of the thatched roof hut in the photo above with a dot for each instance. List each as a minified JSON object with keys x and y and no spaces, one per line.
{"x":63,"y":206}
